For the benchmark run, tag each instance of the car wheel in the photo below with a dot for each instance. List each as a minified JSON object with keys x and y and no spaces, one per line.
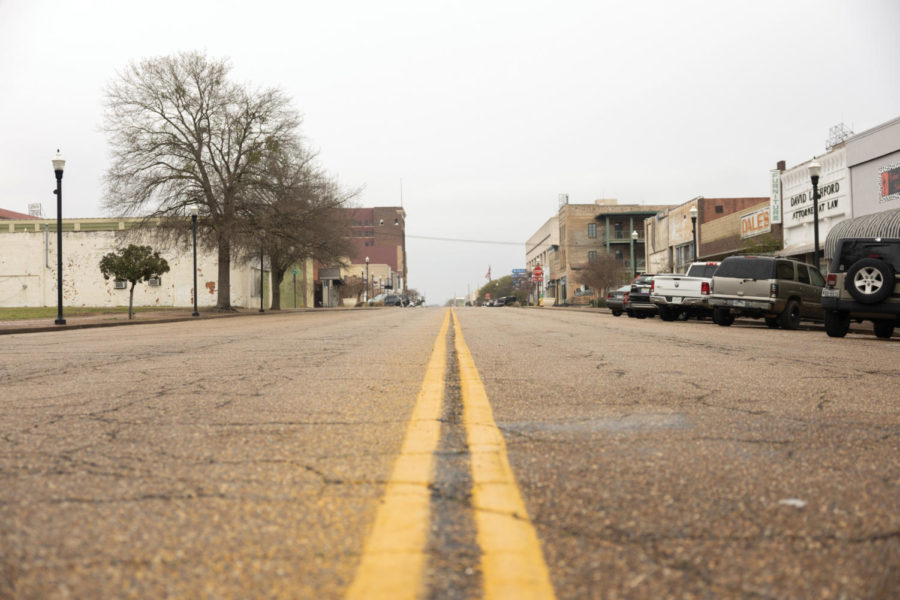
{"x":630,"y":313}
{"x":837,"y":323}
{"x":617,"y":313}
{"x":884,"y":329}
{"x":666,"y":313}
{"x":870,"y":280}
{"x":771,"y":322}
{"x":790,"y":316}
{"x":723,"y":317}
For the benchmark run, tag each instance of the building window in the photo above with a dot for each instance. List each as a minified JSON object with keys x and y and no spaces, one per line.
{"x":592,"y":230}
{"x":592,"y":256}
{"x":617,"y":226}
{"x":720,"y":209}
{"x":619,"y":256}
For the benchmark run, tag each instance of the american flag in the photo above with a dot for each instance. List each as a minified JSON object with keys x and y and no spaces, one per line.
{"x":488,"y":275}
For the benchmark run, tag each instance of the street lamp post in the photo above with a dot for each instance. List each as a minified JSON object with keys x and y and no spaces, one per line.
{"x":693,"y":212}
{"x":194,"y":211}
{"x":634,"y":237}
{"x":814,"y":169}
{"x":367,"y":280}
{"x":262,"y":236}
{"x":59,"y":164}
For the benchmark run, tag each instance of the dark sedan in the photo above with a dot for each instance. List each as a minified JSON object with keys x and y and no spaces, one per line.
{"x":615,"y":299}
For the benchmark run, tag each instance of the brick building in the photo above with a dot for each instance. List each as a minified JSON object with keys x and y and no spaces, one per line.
{"x":724,"y":226}
{"x":379,"y":233}
{"x":587,"y":231}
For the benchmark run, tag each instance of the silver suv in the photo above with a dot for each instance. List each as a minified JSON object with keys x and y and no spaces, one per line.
{"x":779,"y":290}
{"x":862,"y":284}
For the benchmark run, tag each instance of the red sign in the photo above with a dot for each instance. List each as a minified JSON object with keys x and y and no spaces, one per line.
{"x":538,"y":273}
{"x":487,"y":296}
{"x":890,"y":182}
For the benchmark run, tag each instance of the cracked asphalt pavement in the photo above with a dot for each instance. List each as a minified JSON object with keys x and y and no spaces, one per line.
{"x":246,"y":457}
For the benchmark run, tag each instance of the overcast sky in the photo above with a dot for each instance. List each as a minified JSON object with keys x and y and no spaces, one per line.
{"x":485,"y":110}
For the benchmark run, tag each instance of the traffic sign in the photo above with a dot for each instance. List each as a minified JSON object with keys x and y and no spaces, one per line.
{"x":537,"y":271}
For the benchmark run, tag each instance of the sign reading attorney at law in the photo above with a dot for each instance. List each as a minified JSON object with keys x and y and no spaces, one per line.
{"x":756,"y":223}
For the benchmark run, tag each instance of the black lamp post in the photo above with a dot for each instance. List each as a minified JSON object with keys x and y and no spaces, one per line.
{"x":814,"y":169}
{"x":59,"y":164}
{"x":693,"y":212}
{"x":196,"y":313}
{"x":634,"y":237}
{"x":367,"y":279}
{"x":262,"y":237}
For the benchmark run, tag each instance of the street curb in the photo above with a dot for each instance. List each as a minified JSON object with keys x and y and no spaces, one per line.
{"x":125,"y":322}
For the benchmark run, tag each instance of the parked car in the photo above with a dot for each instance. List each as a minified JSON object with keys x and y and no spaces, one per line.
{"x":638,"y":304}
{"x":862,"y":284}
{"x":683,"y":296}
{"x":779,"y":290}
{"x":393,"y":300}
{"x":615,"y":299}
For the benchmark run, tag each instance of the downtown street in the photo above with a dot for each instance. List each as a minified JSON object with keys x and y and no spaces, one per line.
{"x":438,"y":453}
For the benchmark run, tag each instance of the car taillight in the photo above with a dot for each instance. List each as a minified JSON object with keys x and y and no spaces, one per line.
{"x":831,"y":280}
{"x":704,"y":288}
{"x":652,"y":285}
{"x":773,"y":290}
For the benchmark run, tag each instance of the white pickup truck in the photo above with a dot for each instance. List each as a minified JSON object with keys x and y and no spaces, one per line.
{"x":683,"y":296}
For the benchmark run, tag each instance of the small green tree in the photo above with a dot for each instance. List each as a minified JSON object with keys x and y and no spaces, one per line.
{"x":133,"y":264}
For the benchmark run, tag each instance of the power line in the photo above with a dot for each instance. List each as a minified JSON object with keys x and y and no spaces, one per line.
{"x":443,"y":239}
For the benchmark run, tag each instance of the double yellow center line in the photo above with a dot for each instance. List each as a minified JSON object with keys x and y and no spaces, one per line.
{"x":394,"y":558}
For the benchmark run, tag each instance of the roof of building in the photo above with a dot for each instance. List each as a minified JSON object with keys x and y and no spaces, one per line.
{"x":11,"y":215}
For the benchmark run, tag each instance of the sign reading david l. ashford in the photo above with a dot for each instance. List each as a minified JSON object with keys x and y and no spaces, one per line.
{"x":756,"y":223}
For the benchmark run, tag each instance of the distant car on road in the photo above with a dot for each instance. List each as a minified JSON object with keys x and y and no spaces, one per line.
{"x":615,"y":299}
{"x":393,"y":300}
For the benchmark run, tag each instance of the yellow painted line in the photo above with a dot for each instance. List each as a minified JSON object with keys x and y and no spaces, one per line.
{"x":512,"y":562}
{"x":393,"y":558}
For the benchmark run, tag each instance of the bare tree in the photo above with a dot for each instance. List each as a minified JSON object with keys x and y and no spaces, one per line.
{"x":300,"y":210}
{"x":183,"y":134}
{"x":603,"y":273}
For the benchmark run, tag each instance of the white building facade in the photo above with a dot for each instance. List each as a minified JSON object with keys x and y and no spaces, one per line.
{"x":797,"y":203}
{"x":538,"y":249}
{"x":873,"y":157}
{"x":28,"y":268}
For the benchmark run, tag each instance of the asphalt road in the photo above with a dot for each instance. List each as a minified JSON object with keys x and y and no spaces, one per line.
{"x":249,"y":457}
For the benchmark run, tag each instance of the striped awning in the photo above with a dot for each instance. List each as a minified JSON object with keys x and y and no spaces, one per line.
{"x":883,"y":224}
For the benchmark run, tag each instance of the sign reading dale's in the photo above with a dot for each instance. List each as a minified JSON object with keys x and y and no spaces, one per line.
{"x":756,"y":223}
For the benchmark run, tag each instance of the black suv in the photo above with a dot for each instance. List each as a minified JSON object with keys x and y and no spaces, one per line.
{"x":638,"y":303}
{"x":863,"y":284}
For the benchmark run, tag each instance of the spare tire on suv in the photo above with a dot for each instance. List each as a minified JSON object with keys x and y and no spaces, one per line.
{"x":870,"y":280}
{"x":862,"y":285}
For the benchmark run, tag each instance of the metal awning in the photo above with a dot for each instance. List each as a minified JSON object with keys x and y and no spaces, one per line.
{"x":333,"y":274}
{"x":796,"y":249}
